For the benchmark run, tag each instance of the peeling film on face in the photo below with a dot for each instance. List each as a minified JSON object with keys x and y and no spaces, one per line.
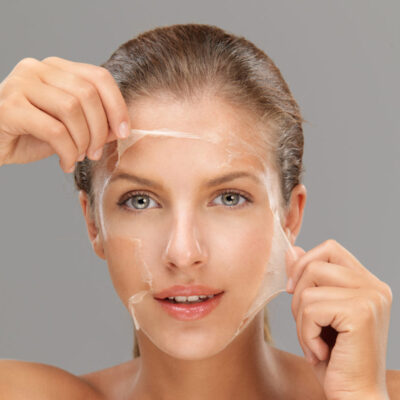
{"x":192,"y":233}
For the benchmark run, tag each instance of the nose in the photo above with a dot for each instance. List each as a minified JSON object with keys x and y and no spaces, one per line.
{"x":184,"y":250}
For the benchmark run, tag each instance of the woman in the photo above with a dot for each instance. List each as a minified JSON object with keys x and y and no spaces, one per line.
{"x":195,"y":239}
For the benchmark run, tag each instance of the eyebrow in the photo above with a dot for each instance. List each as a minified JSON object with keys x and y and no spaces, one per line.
{"x":211,"y":183}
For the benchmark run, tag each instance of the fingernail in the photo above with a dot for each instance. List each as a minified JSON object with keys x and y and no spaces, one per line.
{"x":81,"y":157}
{"x":97,"y":154}
{"x":72,"y":169}
{"x":123,"y":130}
{"x":290,"y":285}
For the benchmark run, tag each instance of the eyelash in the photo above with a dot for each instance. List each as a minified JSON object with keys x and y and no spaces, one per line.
{"x":130,"y":195}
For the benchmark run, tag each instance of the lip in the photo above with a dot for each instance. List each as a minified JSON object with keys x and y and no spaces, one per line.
{"x":190,"y":312}
{"x":180,"y":290}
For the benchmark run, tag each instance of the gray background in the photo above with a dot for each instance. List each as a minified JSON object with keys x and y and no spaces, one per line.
{"x":341,"y":60}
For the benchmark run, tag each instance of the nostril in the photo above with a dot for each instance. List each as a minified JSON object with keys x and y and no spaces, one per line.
{"x":184,"y":265}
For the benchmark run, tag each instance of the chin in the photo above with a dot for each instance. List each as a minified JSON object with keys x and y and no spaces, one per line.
{"x":197,"y":345}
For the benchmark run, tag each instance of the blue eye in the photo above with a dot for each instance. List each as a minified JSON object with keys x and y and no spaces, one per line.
{"x":232,"y":199}
{"x":142,"y":201}
{"x":139,"y":201}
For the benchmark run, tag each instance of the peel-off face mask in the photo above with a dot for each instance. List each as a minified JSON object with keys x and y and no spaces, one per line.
{"x":194,"y":263}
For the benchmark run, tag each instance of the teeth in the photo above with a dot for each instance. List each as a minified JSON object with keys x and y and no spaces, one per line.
{"x":189,"y":299}
{"x":180,"y":299}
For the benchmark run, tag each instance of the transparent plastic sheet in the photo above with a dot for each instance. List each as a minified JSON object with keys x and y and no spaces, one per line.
{"x":143,"y":240}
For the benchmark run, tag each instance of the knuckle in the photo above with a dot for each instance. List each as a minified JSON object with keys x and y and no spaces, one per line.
{"x":387,"y":293}
{"x":331,"y":243}
{"x":50,"y":59}
{"x":312,"y":267}
{"x":57,"y":130}
{"x":27,"y":63}
{"x":381,"y":301}
{"x":9,"y":105}
{"x":87,"y":92}
{"x":71,"y":105}
{"x":10,"y":85}
{"x":103,"y":73}
{"x":306,"y":295}
{"x":12,"y":100}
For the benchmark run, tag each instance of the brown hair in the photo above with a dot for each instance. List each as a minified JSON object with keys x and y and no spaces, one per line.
{"x":185,"y":60}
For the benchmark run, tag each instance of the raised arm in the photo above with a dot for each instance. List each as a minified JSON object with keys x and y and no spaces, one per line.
{"x":71,"y":109}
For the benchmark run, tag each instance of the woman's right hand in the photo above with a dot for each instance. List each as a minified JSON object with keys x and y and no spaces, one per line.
{"x":59,"y":106}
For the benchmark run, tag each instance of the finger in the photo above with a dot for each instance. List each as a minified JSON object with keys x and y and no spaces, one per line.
{"x":318,"y":315}
{"x":64,"y":107}
{"x":292,"y":255}
{"x":313,"y":294}
{"x":81,"y":89}
{"x":110,"y":94}
{"x":319,"y":294}
{"x":321,"y":274}
{"x":45,"y":129}
{"x":357,"y":318}
{"x":90,"y":102}
{"x":328,"y":251}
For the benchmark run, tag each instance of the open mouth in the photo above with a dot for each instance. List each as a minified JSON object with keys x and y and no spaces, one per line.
{"x":189,"y":308}
{"x":190,"y":299}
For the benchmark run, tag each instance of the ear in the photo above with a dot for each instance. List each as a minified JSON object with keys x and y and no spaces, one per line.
{"x":294,"y":215}
{"x":93,"y":231}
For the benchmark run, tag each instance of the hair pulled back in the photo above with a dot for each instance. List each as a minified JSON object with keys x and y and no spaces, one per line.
{"x":185,"y":60}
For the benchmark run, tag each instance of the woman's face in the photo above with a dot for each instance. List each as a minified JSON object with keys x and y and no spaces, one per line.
{"x":188,"y":217}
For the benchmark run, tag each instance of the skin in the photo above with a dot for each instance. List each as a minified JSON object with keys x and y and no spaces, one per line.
{"x":209,"y":375}
{"x":180,"y":258}
{"x":330,"y":286}
{"x":187,"y":235}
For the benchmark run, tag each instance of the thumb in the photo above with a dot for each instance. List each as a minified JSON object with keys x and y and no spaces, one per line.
{"x":292,"y":255}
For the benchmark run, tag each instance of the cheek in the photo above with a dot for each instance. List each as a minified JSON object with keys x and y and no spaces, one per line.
{"x":245,"y":251}
{"x":126,"y":266}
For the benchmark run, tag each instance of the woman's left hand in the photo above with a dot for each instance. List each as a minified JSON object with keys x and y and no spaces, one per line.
{"x":342,"y":314}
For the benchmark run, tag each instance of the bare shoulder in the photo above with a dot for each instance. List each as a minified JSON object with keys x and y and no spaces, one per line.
{"x":114,"y":381}
{"x":30,"y":380}
{"x":393,"y":384}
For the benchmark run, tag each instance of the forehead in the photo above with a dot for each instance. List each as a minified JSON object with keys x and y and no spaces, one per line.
{"x":198,"y":116}
{"x":183,"y":158}
{"x":209,"y":117}
{"x":232,"y":137}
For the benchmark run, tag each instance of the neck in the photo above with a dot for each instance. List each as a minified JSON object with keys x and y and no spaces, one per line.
{"x":241,"y":370}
